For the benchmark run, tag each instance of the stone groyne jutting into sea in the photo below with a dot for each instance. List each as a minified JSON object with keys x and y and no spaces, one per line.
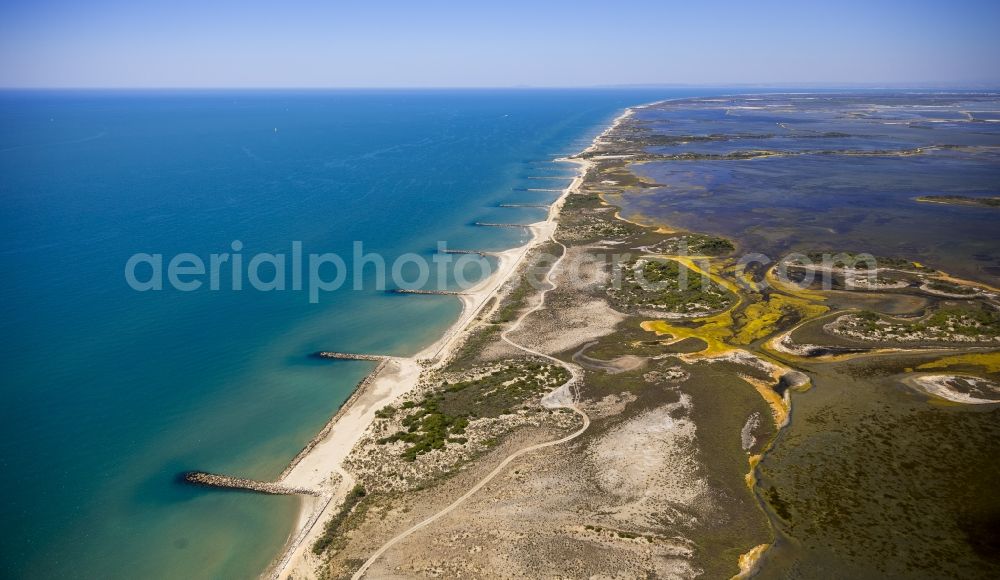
{"x":202,"y":478}
{"x":479,"y":252}
{"x":275,"y":487}
{"x":241,"y":483}
{"x":437,"y":292}
{"x":495,"y":225}
{"x":347,"y":356}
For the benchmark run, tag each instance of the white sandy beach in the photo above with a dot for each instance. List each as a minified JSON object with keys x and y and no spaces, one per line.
{"x":321,"y":468}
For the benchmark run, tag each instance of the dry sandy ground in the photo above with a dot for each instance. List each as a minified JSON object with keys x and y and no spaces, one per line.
{"x":591,"y":509}
{"x":574,"y":316}
{"x":576,"y":321}
{"x":322,"y":468}
{"x":976,"y":391}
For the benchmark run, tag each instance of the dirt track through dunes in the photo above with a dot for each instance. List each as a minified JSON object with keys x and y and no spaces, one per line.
{"x":565,"y":396}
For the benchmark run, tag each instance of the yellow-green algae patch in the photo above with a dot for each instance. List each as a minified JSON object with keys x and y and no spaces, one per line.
{"x":989,"y":361}
{"x":712,"y":330}
{"x":759,"y":319}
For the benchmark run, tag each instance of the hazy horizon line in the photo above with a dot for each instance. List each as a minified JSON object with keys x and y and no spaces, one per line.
{"x":923,"y":85}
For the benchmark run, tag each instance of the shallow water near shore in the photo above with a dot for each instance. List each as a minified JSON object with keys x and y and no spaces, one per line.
{"x":111,"y":393}
{"x":802,"y":173}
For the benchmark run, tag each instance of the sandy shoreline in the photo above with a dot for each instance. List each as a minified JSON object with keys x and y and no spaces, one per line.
{"x":321,"y":467}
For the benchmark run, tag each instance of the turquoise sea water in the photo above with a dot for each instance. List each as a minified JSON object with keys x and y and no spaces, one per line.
{"x":109,"y":394}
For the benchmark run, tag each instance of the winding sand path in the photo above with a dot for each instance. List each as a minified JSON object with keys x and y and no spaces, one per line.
{"x":327,"y":457}
{"x":566,"y":396}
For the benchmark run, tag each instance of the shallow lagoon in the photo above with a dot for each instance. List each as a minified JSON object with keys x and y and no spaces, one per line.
{"x":830,"y":173}
{"x":870,"y":478}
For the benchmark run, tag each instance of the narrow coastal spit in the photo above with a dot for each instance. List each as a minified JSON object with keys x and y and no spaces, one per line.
{"x":318,"y":473}
{"x":576,"y":422}
{"x":413,"y":290}
{"x":531,"y":357}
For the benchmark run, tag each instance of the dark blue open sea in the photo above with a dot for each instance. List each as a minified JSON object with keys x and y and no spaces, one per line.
{"x":108,"y":394}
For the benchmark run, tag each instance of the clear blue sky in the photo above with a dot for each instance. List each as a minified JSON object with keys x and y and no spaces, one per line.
{"x":430,"y":43}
